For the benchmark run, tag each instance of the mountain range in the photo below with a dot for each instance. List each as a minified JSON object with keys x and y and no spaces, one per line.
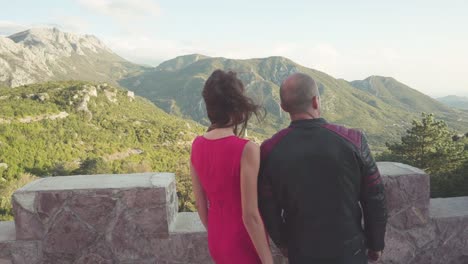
{"x":381,"y":106}
{"x":454,"y":101}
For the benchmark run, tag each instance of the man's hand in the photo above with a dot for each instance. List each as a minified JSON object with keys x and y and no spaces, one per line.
{"x":373,"y":255}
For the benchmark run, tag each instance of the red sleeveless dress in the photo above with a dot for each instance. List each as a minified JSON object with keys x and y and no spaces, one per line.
{"x":217,"y":163}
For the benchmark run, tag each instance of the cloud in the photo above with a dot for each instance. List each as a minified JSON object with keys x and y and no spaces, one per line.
{"x":122,"y":10}
{"x":322,"y":56}
{"x":7,"y":27}
{"x":152,"y":50}
{"x":347,"y":63}
{"x":65,"y":23}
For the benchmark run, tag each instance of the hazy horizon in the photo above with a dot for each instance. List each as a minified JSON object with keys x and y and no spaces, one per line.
{"x":421,"y":44}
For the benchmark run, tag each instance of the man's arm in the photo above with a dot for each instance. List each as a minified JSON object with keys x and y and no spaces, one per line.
{"x":372,"y":200}
{"x":250,"y":164}
{"x":269,"y":206}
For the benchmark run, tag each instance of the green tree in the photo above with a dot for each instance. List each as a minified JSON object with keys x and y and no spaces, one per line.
{"x":184,"y":187}
{"x":92,"y":166}
{"x":428,"y":145}
{"x":451,"y":184}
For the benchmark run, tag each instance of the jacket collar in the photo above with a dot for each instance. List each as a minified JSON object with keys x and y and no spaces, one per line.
{"x":308,"y":122}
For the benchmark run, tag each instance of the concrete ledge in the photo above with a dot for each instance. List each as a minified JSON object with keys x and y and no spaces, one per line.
{"x":187,"y":223}
{"x":449,"y":207}
{"x":398,"y":169}
{"x":102,"y":181}
{"x":449,"y":222}
{"x":7,"y":231}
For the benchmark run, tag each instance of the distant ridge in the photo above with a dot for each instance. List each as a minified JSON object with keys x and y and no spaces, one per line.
{"x":48,"y":54}
{"x":180,"y":62}
{"x":455,"y":101}
{"x":399,"y":95}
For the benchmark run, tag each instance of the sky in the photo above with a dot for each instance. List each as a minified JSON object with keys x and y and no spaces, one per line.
{"x":423,"y":44}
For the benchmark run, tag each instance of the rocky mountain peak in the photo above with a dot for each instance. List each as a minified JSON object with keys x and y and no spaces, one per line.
{"x":43,"y":54}
{"x":54,"y":41}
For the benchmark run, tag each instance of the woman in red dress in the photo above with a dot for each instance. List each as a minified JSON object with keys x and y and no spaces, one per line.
{"x":224,"y":174}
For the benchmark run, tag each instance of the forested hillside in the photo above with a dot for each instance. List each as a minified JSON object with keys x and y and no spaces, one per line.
{"x":64,"y":128}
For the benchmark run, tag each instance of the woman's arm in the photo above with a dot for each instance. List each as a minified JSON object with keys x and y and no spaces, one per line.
{"x":250,"y":164}
{"x":200,"y":198}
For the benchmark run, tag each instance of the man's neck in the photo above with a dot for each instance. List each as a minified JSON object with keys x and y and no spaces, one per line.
{"x":304,"y":116}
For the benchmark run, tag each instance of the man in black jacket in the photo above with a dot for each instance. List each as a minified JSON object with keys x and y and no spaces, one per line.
{"x":317,"y":181}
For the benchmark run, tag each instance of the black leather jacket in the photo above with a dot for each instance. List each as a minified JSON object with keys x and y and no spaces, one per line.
{"x":316,"y":179}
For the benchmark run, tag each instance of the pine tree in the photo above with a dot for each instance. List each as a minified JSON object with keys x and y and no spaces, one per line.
{"x":428,"y":145}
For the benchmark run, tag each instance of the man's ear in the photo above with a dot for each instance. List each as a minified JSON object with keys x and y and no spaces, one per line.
{"x":284,"y":107}
{"x":316,"y":102}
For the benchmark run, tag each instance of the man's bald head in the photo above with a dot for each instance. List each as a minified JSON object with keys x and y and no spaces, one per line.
{"x":297,"y":92}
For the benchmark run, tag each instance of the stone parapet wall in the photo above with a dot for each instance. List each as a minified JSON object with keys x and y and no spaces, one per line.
{"x":422,"y":230}
{"x":133,"y":219}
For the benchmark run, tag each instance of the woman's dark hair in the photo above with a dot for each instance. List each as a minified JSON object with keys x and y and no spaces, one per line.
{"x":226,"y":103}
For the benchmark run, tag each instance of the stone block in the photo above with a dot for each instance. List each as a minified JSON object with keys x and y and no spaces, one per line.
{"x":95,"y":208}
{"x":27,"y":221}
{"x":98,"y":252}
{"x":398,"y":249}
{"x":68,"y":235}
{"x":99,"y":218}
{"x":407,"y":192}
{"x":48,"y":204}
{"x":94,"y":200}
{"x":188,"y":242}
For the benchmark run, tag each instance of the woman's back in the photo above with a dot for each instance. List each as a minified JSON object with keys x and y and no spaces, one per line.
{"x":224,"y":171}
{"x":217,"y":163}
